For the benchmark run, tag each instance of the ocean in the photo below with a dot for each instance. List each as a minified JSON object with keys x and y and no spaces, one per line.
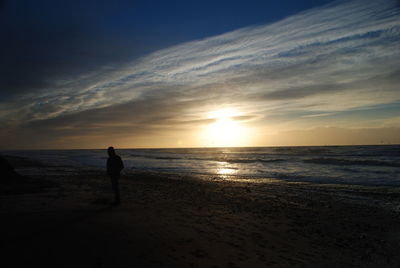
{"x":377,"y":165}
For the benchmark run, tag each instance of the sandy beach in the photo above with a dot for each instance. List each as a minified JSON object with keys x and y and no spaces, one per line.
{"x":170,"y":220}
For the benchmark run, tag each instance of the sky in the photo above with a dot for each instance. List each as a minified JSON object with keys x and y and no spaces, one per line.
{"x":134,"y":74}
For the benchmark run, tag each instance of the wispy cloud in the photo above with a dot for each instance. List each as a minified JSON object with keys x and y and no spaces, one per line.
{"x":330,"y":59}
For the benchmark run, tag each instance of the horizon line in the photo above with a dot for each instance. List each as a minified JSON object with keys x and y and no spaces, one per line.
{"x":205,"y":147}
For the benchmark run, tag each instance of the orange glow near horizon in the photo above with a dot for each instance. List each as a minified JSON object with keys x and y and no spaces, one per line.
{"x":225,"y":131}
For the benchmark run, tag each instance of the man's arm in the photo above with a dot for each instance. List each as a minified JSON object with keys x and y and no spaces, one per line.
{"x":108,"y":166}
{"x":121,"y":164}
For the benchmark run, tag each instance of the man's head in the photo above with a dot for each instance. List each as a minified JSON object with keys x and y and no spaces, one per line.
{"x":111,"y":151}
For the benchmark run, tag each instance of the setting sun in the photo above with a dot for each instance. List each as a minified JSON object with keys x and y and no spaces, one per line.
{"x":225,"y":130}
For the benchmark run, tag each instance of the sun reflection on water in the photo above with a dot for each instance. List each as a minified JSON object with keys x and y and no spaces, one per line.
{"x":223,"y":169}
{"x":226,"y":171}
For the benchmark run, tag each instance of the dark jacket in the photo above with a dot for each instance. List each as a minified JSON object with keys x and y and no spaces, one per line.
{"x":114,"y":165}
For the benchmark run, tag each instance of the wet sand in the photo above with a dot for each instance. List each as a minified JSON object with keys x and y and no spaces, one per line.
{"x":180,"y":221}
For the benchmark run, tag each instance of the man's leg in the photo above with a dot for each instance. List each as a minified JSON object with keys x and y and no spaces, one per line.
{"x":115,"y":186}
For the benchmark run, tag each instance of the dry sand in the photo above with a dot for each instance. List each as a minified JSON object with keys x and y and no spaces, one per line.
{"x":174,"y":221}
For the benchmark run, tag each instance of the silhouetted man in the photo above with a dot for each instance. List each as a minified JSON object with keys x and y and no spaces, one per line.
{"x":114,"y":167}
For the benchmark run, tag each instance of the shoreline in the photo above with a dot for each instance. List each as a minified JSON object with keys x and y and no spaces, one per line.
{"x":169,"y":221}
{"x":375,"y":166}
